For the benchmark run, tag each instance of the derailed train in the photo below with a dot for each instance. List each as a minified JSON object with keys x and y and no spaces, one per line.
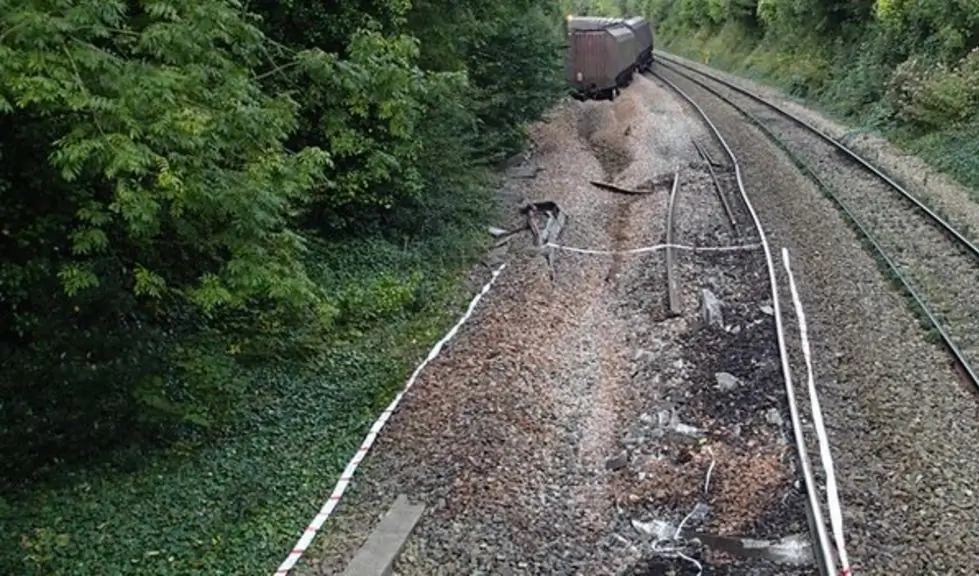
{"x":604,"y":53}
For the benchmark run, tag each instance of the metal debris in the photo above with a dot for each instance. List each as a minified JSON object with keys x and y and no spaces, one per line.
{"x":726,"y":381}
{"x":710,"y":309}
{"x":658,"y":529}
{"x":791,"y":550}
{"x":556,"y":219}
{"x":717,"y":185}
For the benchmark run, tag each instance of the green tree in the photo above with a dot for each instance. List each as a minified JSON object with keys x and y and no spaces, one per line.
{"x":146,"y":188}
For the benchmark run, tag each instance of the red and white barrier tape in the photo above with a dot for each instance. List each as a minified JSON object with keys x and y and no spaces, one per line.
{"x":654,"y":248}
{"x":832,"y":494}
{"x":341,"y":486}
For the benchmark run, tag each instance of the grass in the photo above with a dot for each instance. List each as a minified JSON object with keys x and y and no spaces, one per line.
{"x":237,"y":506}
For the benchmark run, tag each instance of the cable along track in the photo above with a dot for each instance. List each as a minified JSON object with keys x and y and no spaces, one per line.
{"x":934,"y":263}
{"x":823,"y":551}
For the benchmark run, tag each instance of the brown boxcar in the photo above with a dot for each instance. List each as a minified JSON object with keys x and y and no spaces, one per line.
{"x":601,"y":61}
{"x":574,"y":23}
{"x":644,"y":42}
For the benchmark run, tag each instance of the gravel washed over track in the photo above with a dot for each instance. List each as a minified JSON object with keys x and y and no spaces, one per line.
{"x":530,"y":438}
{"x":902,"y":426}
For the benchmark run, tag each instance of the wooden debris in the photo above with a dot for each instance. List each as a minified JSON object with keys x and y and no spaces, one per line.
{"x":384,"y":545}
{"x":620,"y":190}
{"x":551,"y":232}
{"x":531,"y":214}
{"x":504,"y":236}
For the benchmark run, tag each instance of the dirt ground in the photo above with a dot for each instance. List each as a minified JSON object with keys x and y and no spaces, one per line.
{"x":571,"y":414}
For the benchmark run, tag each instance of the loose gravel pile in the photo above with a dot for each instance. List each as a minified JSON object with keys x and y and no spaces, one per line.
{"x":569,"y":413}
{"x":901,"y":425}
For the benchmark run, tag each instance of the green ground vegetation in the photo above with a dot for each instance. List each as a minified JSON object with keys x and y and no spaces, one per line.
{"x":228,"y":230}
{"x":908,"y":69}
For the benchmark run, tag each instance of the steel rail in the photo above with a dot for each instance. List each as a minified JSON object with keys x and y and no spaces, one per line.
{"x":823,"y":549}
{"x":717,"y":185}
{"x":942,"y":223}
{"x":892,"y":266}
{"x":673,"y":298}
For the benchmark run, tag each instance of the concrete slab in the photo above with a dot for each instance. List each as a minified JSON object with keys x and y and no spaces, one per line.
{"x":377,"y":556}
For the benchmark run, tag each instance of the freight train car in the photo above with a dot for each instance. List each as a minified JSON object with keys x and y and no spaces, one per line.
{"x":644,"y":42}
{"x":601,"y":57}
{"x":576,"y":23}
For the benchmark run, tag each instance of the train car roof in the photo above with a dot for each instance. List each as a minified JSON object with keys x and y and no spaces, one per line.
{"x":592,"y":22}
{"x":620,"y":31}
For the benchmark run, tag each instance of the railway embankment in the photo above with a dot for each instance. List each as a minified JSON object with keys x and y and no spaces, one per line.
{"x":576,"y":425}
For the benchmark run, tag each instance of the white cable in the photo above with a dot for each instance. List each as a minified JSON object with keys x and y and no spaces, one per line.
{"x":654,"y":248}
{"x":700,"y":568}
{"x":347,"y":475}
{"x":683,"y":522}
{"x":832,"y":494}
{"x":713,"y":462}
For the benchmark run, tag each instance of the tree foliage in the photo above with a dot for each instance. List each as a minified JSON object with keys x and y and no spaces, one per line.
{"x":172,"y":170}
{"x":903,"y":62}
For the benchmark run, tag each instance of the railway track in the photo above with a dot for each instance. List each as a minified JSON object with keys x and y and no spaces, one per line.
{"x":935,"y":264}
{"x":824,"y":553}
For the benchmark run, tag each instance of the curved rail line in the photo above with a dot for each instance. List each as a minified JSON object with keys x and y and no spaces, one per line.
{"x":717,"y":185}
{"x":938,"y":220}
{"x":824,"y":553}
{"x":892,"y":266}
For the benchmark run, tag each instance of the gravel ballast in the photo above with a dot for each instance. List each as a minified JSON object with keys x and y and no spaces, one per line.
{"x":569,"y":414}
{"x":956,"y":202}
{"x":901,"y":424}
{"x":940,"y":269}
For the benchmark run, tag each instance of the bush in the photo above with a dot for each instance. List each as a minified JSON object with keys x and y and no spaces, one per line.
{"x":166,"y":166}
{"x":226,"y":228}
{"x":929,"y":96}
{"x":146,"y":188}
